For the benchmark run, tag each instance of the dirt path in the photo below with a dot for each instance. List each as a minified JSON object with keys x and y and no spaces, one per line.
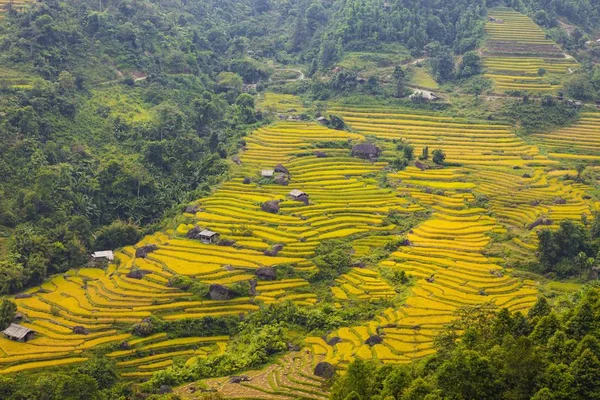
{"x":300,"y":76}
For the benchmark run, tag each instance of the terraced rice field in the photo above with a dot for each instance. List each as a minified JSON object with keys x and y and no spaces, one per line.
{"x":515,"y":51}
{"x":448,"y":254}
{"x":579,"y":142}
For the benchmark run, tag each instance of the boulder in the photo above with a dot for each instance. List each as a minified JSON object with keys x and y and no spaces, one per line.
{"x":124,"y":346}
{"x":274,"y":250}
{"x":237,"y":160}
{"x":324,"y":370}
{"x":135,"y":273}
{"x":266,"y":274}
{"x":281,"y":180}
{"x":333,"y":341}
{"x":219,"y":292}
{"x":194,"y":233}
{"x":239,"y":379}
{"x":22,"y":296}
{"x":226,"y":242}
{"x":540,"y":221}
{"x":320,"y":154}
{"x":164,"y":389}
{"x":142,"y":252}
{"x":144,"y":328}
{"x":281,"y":169}
{"x":191,"y":209}
{"x":253,"y":284}
{"x":559,"y":200}
{"x":420,"y":165}
{"x":293,"y":347}
{"x":247,"y":181}
{"x":271,"y":206}
{"x":526,"y":176}
{"x":373,"y":340}
{"x":81,"y":330}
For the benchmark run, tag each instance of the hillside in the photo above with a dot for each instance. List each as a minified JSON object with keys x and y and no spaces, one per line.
{"x":343,"y":200}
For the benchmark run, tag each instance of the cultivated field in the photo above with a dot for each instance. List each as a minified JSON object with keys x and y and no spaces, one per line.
{"x":517,"y":49}
{"x":579,"y":142}
{"x":451,"y":255}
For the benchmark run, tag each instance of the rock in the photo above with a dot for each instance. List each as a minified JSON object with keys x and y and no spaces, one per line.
{"x":228,"y":267}
{"x":274,"y":250}
{"x":431,"y":279}
{"x":373,"y":340}
{"x":124,"y":346}
{"x":333,"y":341}
{"x":219,"y":292}
{"x":482,"y":292}
{"x":194,"y":233}
{"x":540,"y":221}
{"x":266,"y":274}
{"x":559,"y":200}
{"x":535,"y":203}
{"x":359,"y":264}
{"x":324,"y":370}
{"x":271,"y":206}
{"x":302,"y":240}
{"x":226,"y":242}
{"x":281,"y":169}
{"x":320,"y":154}
{"x":236,"y":160}
{"x":527,"y":176}
{"x":22,"y":296}
{"x":192,"y":209}
{"x":239,"y":379}
{"x":252,"y":290}
{"x":420,"y":165}
{"x":247,"y":181}
{"x":164,"y":389}
{"x":293,"y":347}
{"x":135,"y":273}
{"x":527,"y":157}
{"x":81,"y":330}
{"x":144,"y":328}
{"x":281,"y":180}
{"x":142,"y":252}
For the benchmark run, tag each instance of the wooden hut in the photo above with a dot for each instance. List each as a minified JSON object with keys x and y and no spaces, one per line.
{"x":18,"y":333}
{"x":208,"y":237}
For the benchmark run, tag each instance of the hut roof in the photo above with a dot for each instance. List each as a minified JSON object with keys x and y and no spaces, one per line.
{"x":17,"y":331}
{"x":296,"y":193}
{"x":108,"y":254}
{"x":267,"y":172}
{"x":207,"y":233}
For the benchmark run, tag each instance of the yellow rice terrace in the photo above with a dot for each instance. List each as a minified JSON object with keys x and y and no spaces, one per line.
{"x":296,"y":186}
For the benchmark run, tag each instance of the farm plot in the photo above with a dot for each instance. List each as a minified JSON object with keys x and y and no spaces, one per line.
{"x":518,"y":56}
{"x":446,"y":254}
{"x":579,"y":142}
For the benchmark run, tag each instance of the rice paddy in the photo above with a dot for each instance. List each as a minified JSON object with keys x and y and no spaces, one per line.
{"x":448,"y":254}
{"x":517,"y":50}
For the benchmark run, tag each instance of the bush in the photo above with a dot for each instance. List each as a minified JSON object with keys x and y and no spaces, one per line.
{"x":117,"y":234}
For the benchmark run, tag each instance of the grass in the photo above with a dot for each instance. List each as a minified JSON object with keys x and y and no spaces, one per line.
{"x":120,"y":101}
{"x":420,"y":77}
{"x":563,"y":286}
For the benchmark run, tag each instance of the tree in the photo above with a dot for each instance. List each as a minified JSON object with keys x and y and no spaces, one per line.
{"x":441,"y":61}
{"x":438,"y":157}
{"x":541,"y":71}
{"x":585,"y":368}
{"x":359,"y":381}
{"x":470,"y":64}
{"x":468,"y":375}
{"x":400,"y":77}
{"x":424,"y":154}
{"x":8,"y":310}
{"x":117,"y":234}
{"x":541,"y":308}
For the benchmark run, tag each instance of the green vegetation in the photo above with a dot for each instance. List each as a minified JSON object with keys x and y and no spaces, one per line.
{"x":502,"y":355}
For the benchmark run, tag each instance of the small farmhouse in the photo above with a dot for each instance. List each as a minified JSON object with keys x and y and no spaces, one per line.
{"x":18,"y":333}
{"x":299,"y":195}
{"x":267,"y":173}
{"x":425,"y":94}
{"x":208,"y":237}
{"x":106,"y":255}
